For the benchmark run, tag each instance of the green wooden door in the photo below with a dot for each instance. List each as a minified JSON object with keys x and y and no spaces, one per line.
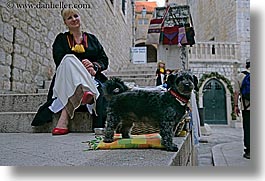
{"x":214,"y":102}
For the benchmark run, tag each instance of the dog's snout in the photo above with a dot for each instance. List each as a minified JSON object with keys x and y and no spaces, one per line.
{"x":186,"y":83}
{"x":187,"y":86}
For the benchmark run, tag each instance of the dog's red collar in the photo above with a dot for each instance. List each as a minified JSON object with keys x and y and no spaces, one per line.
{"x":179,"y":98}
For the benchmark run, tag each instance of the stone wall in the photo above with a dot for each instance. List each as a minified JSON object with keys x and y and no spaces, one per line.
{"x":214,"y":19}
{"x":243,"y":28}
{"x":227,"y":69}
{"x":223,"y":21}
{"x":179,"y":2}
{"x":28,"y":30}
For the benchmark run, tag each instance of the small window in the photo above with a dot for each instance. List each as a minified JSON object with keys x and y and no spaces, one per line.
{"x":111,"y":4}
{"x":213,"y":50}
{"x":143,"y":21}
{"x":217,"y":86}
{"x":208,"y":86}
{"x":123,"y":6}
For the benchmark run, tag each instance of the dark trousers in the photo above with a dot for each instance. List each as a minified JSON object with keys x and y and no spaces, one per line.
{"x":100,"y":119}
{"x":246,"y":129}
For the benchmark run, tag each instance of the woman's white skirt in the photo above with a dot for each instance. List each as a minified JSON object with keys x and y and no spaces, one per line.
{"x":71,"y":81}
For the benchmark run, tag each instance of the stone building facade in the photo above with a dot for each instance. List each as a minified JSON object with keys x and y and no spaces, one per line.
{"x":222,"y":47}
{"x":28,"y":29}
{"x":223,"y":21}
{"x":222,"y":34}
{"x":143,"y":15}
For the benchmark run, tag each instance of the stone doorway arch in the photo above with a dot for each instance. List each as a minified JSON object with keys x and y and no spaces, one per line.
{"x":214,"y":102}
{"x":228,"y":89}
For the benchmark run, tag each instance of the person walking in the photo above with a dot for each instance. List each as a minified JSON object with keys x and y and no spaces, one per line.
{"x":242,"y":96}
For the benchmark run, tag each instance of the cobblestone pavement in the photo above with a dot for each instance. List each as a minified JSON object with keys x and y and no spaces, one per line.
{"x":219,"y":134}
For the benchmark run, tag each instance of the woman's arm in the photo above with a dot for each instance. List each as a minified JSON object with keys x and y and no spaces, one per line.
{"x":102,"y":62}
{"x":58,"y":49}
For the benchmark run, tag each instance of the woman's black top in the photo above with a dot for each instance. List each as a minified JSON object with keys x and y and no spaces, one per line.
{"x":94,"y":52}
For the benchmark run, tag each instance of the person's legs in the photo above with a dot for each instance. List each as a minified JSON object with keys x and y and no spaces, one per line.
{"x":246,"y":128}
{"x":62,"y":125}
{"x":100,"y":119}
{"x":63,"y":120}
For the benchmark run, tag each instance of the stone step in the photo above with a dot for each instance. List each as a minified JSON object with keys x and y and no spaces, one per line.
{"x":147,"y":67}
{"x":16,"y":122}
{"x":139,"y":68}
{"x":42,"y":91}
{"x":47,"y":84}
{"x":133,"y":76}
{"x":140,"y":74}
{"x":20,"y":122}
{"x":21,"y":102}
{"x":132,"y":72}
{"x":141,"y":81}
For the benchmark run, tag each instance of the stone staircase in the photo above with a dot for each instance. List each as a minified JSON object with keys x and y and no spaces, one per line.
{"x":139,"y":74}
{"x":18,"y":110}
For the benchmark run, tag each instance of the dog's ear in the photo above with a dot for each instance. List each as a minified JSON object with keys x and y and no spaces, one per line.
{"x":195,"y":83}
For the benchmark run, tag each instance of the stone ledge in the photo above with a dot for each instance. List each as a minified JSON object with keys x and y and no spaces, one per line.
{"x":20,"y":122}
{"x":187,"y":154}
{"x":42,"y":149}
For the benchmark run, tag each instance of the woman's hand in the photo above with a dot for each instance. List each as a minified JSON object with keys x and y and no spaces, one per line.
{"x":89,"y":66}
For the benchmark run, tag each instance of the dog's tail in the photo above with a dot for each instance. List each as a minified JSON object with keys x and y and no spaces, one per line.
{"x":114,"y":86}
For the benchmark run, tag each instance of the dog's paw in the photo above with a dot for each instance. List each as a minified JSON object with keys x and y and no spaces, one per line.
{"x":108,"y":140}
{"x":125,"y":136}
{"x":173,"y":148}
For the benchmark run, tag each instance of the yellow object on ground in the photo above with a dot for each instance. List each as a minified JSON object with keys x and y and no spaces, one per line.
{"x":136,"y":141}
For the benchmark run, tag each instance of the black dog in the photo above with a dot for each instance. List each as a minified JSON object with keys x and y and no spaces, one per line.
{"x":160,"y":109}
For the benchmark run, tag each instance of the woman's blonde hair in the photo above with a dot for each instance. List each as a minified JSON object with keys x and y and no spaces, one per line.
{"x":66,"y":12}
{"x":160,"y":62}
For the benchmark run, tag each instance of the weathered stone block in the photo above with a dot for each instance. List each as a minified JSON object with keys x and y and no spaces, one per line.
{"x":7,"y":46}
{"x":22,"y":38}
{"x":18,"y":122}
{"x":4,"y":71}
{"x":8,"y":32}
{"x":82,"y":122}
{"x":2,"y":56}
{"x":21,"y":102}
{"x":1,"y":29}
{"x":19,"y":61}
